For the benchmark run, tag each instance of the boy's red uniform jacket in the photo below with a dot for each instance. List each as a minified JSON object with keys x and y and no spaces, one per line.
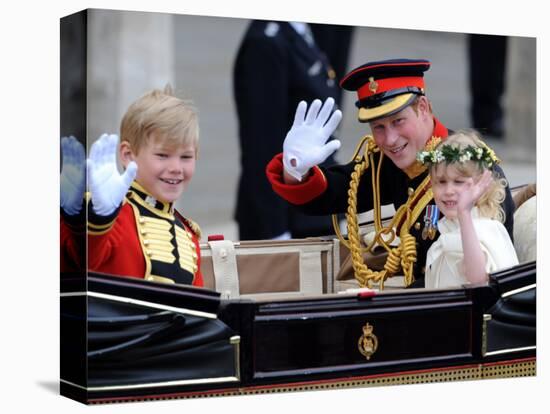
{"x":144,"y":238}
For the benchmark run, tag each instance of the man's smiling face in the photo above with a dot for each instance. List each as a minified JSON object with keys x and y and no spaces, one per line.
{"x":400,"y":136}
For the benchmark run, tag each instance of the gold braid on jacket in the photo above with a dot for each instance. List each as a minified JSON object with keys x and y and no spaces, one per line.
{"x":403,"y":255}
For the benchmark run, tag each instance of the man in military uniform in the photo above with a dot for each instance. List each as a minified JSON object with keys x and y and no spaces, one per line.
{"x":392,"y":100}
{"x":277,"y":65}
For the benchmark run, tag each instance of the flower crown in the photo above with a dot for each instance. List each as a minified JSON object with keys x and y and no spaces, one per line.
{"x":483,"y":155}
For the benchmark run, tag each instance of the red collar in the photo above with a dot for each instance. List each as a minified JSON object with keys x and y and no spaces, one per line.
{"x":440,"y":130}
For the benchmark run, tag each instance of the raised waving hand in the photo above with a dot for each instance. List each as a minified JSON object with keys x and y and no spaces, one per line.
{"x":306,"y":144}
{"x":107,"y":185}
{"x":73,"y":175}
{"x":473,"y":191}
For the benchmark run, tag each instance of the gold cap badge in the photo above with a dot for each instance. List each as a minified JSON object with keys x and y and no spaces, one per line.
{"x":373,"y":85}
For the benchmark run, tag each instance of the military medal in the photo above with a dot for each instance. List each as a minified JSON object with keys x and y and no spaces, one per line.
{"x":430,"y":222}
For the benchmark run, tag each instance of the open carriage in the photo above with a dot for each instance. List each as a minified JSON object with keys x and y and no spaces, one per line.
{"x":281,"y":316}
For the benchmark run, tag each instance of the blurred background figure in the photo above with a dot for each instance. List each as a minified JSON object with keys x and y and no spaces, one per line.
{"x":278,"y":64}
{"x":336,"y":42}
{"x":487,"y":70}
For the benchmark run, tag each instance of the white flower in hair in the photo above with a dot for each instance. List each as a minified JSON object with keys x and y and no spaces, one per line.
{"x":467,"y":156}
{"x":421,"y":155}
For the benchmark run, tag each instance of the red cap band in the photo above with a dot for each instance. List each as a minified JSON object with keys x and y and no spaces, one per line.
{"x":383,"y":85}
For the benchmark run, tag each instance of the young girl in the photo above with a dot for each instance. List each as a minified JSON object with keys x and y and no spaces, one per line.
{"x":473,"y":241}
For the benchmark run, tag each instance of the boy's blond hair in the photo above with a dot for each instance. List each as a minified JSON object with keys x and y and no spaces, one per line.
{"x":171,"y":119}
{"x":489,"y":204}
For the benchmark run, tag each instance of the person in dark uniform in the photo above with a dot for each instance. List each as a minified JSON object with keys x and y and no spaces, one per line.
{"x":277,"y":65}
{"x":487,"y":70}
{"x":335,"y":41}
{"x":392,"y":100}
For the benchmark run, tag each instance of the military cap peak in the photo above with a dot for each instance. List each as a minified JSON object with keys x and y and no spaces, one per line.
{"x":386,"y":87}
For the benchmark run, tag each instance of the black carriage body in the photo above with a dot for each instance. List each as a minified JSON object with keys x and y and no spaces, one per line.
{"x":147,"y":341}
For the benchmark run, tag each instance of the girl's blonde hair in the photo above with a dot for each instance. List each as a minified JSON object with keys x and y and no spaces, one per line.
{"x":489,"y":204}
{"x":171,"y":119}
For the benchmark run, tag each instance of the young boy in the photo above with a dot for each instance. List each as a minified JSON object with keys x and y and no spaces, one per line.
{"x":133,"y":229}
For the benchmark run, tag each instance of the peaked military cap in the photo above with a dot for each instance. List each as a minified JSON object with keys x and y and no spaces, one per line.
{"x":386,"y":87}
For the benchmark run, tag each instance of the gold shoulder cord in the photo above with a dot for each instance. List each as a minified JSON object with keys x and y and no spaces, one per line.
{"x":404,"y":218}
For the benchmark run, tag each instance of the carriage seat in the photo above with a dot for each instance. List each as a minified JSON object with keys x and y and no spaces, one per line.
{"x":525,"y":223}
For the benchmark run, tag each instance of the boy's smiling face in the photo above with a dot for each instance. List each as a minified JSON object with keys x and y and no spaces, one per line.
{"x":163,"y":171}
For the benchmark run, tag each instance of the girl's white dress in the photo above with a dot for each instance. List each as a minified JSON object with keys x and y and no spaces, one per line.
{"x":444,"y":259}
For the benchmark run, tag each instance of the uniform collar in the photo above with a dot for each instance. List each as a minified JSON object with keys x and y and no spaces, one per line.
{"x":440,"y":132}
{"x":149,"y":201}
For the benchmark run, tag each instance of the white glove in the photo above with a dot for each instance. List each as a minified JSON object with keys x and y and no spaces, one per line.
{"x":73,"y":175}
{"x":305,"y":144}
{"x":107,"y":186}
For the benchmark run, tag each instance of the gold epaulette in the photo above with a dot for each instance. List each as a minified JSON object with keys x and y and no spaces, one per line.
{"x":193,"y":226}
{"x":491,"y":152}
